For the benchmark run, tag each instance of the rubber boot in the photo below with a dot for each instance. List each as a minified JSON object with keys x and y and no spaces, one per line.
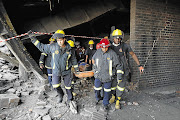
{"x":74,"y":94}
{"x":117,"y":106}
{"x":60,"y":94}
{"x":112,"y":99}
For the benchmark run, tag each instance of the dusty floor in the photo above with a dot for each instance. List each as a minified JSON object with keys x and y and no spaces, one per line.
{"x":153,"y":104}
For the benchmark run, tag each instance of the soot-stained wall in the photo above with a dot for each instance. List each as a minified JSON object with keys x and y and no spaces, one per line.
{"x":157,"y":20}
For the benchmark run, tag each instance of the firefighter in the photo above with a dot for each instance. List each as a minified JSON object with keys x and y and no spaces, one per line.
{"x":105,"y":65}
{"x":122,"y":49}
{"x":62,"y":61}
{"x":46,"y":58}
{"x":80,"y":51}
{"x":90,"y":52}
{"x":71,"y":41}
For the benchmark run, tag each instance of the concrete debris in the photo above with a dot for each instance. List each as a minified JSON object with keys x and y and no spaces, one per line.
{"x":3,"y":116}
{"x":1,"y":76}
{"x":85,"y":113}
{"x":25,"y":93}
{"x":90,"y":110}
{"x":129,"y":103}
{"x":4,"y":48}
{"x":41,"y":112}
{"x":9,"y":100}
{"x":73,"y":107}
{"x":35,"y":116}
{"x":122,"y":102}
{"x":135,"y":103}
{"x":9,"y":76}
{"x":47,"y":117}
{"x":12,"y":90}
{"x":4,"y":67}
{"x":42,"y":95}
{"x":41,"y":103}
{"x":39,"y":118}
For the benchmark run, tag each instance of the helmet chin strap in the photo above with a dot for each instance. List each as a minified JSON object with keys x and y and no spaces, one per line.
{"x":117,"y":44}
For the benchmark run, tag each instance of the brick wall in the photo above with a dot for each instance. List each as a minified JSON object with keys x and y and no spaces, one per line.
{"x":156,"y":20}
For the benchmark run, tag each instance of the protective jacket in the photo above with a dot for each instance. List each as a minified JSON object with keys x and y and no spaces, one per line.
{"x":122,"y":50}
{"x":62,"y":58}
{"x":45,"y":58}
{"x":106,"y":66}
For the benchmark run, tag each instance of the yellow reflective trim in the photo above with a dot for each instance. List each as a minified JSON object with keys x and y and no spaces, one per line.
{"x":56,"y":85}
{"x":119,"y":81}
{"x":75,"y":66}
{"x":44,"y":54}
{"x":67,"y":61}
{"x":110,"y":67}
{"x":119,"y":98}
{"x":113,"y":88}
{"x":107,"y":90}
{"x":99,"y":88}
{"x":49,"y":74}
{"x":48,"y":67}
{"x":53,"y":61}
{"x":120,"y":71}
{"x":36,"y":42}
{"x":120,"y":88}
{"x":41,"y":62}
{"x":72,"y":82}
{"x":68,"y":87}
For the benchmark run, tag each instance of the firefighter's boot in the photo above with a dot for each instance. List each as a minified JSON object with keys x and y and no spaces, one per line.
{"x":60,"y":94}
{"x":118,"y":106}
{"x":74,"y":94}
{"x":112,"y":99}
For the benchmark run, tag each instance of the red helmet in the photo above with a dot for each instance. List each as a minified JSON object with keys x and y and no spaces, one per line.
{"x":104,"y":43}
{"x":98,"y":46}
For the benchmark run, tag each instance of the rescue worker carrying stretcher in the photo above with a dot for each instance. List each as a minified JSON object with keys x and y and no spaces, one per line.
{"x":62,"y":61}
{"x":45,"y":59}
{"x":106,"y":66}
{"x":122,"y":50}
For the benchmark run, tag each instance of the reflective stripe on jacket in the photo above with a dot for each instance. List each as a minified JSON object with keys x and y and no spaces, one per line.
{"x":45,"y":59}
{"x":106,"y":66}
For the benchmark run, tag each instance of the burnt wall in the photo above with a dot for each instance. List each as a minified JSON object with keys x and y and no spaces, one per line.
{"x":159,"y":21}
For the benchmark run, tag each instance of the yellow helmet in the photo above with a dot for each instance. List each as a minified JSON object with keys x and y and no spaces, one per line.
{"x":118,"y":34}
{"x":91,"y":42}
{"x":71,"y":43}
{"x":51,"y":39}
{"x":58,"y":34}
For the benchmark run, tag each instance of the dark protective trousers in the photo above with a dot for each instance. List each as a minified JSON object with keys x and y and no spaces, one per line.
{"x":49,"y":72}
{"x":107,"y":91}
{"x":118,"y":88}
{"x":56,"y":80}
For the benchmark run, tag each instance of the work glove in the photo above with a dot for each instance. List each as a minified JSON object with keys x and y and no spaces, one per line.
{"x":31,"y":35}
{"x":41,"y":66}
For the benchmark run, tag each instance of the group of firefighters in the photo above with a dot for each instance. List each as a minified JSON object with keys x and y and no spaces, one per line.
{"x":109,"y":63}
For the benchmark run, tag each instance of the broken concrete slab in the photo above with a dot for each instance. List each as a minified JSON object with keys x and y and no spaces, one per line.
{"x":9,"y":100}
{"x":41,"y":103}
{"x":47,"y":117}
{"x":9,"y":76}
{"x":41,"y":112}
{"x":90,"y":110}
{"x":3,"y":116}
{"x":11,"y":90}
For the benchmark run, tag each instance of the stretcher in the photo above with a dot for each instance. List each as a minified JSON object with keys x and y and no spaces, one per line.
{"x":84,"y":71}
{"x":84,"y":74}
